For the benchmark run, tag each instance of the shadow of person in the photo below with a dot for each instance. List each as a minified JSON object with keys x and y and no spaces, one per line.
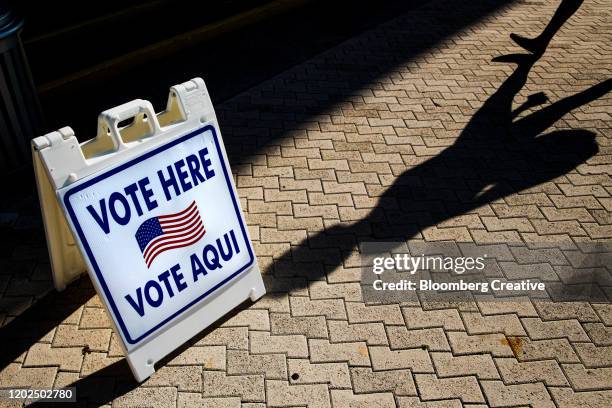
{"x":493,"y":157}
{"x":537,"y":45}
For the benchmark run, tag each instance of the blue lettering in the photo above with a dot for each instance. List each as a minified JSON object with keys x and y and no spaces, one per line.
{"x":178,"y":278}
{"x":175,"y":179}
{"x":208,"y":172}
{"x":147,"y":193}
{"x":160,"y":294}
{"x":101,"y":220}
{"x":154,"y":292}
{"x":211,"y":263}
{"x":182,"y":175}
{"x":194,"y":169}
{"x":169,"y":182}
{"x":163,"y":277}
{"x":138,"y":306}
{"x":196,"y":267}
{"x":112,"y":204}
{"x":131,"y":191}
{"x":234,"y":241}
{"x":226,"y":256}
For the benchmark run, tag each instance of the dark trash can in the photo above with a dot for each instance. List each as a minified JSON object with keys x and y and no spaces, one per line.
{"x":20,"y":113}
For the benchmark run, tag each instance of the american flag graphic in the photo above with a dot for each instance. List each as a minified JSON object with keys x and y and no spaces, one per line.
{"x":165,"y":232}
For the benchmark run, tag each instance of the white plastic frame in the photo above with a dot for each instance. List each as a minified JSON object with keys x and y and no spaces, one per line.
{"x":59,"y":160}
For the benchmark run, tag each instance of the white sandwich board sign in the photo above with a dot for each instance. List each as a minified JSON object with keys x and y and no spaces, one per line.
{"x":154,"y":213}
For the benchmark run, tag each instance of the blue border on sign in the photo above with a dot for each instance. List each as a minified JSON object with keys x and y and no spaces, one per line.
{"x":92,"y":259}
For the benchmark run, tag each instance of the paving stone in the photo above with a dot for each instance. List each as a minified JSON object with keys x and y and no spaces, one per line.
{"x":347,"y":291}
{"x":460,"y":234}
{"x":522,"y":307}
{"x":94,"y":362}
{"x":271,"y":235}
{"x":360,"y":313}
{"x":293,"y":286}
{"x":286,"y":222}
{"x":252,"y":318}
{"x":372,"y":333}
{"x":506,"y":211}
{"x":480,"y":365}
{"x":500,"y":395}
{"x":585,"y":379}
{"x":539,"y":329}
{"x":342,"y":274}
{"x":234,"y":338}
{"x":273,"y":366}
{"x":302,"y":371}
{"x":495,"y":344}
{"x":115,"y":349}
{"x":68,"y":335}
{"x":277,"y":304}
{"x":41,"y":355}
{"x":281,"y":393}
{"x":517,"y":271}
{"x":475,"y":323}
{"x":355,"y":353}
{"x":190,"y":399}
{"x":504,"y":224}
{"x":184,"y":378}
{"x":593,"y":356}
{"x":154,"y":397}
{"x":514,"y":372}
{"x":567,"y":398}
{"x":415,"y":402}
{"x":210,"y":357}
{"x":605,"y":313}
{"x":432,"y":339}
{"x":65,"y":379}
{"x":554,"y":349}
{"x":292,"y":345}
{"x":309,"y":326}
{"x":580,"y":311}
{"x":400,"y":382}
{"x":330,"y":308}
{"x":434,"y":388}
{"x":528,"y":255}
{"x":346,"y":399}
{"x":599,"y":333}
{"x":94,"y":318}
{"x":416,"y":360}
{"x":15,"y":375}
{"x":449,"y":319}
{"x":332,"y":153}
{"x":250,"y":388}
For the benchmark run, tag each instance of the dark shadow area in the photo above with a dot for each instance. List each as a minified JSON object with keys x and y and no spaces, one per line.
{"x":230,"y":62}
{"x":100,"y":387}
{"x":41,"y":318}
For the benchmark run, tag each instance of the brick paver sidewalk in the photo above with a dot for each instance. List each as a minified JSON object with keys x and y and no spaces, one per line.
{"x":404,"y":132}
